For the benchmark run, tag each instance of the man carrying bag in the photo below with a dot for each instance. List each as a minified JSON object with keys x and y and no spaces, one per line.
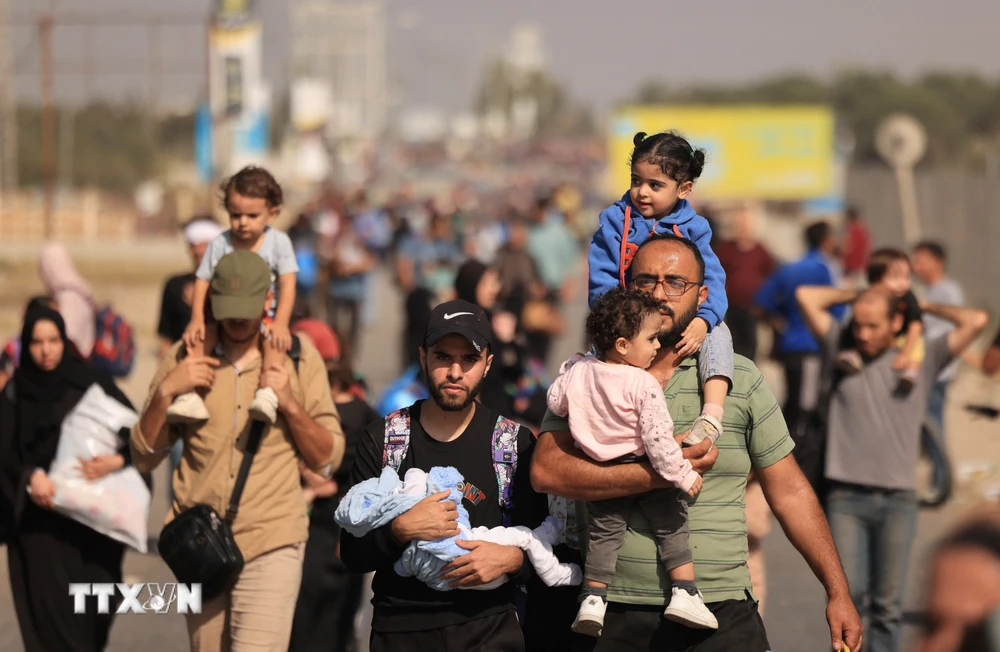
{"x":238,"y":523}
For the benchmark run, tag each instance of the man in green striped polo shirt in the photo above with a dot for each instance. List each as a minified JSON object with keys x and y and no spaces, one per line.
{"x":755,"y":436}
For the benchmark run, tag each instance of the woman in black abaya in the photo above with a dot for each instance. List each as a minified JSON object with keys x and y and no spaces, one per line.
{"x":47,"y":551}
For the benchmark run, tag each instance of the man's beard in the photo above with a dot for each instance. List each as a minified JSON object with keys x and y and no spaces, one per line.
{"x":228,"y":336}
{"x":670,"y":338}
{"x":452,"y":403}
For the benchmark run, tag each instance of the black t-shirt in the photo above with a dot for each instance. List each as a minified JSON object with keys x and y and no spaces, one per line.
{"x":405,"y":603}
{"x":909,"y":307}
{"x":354,"y":416}
{"x":175,"y":307}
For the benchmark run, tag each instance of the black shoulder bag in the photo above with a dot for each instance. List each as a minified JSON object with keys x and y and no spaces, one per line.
{"x":198,"y":546}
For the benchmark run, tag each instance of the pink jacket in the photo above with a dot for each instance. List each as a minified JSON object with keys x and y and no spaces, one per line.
{"x":616,"y":410}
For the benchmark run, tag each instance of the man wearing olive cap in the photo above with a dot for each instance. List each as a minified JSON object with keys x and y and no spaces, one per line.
{"x":272,"y":524}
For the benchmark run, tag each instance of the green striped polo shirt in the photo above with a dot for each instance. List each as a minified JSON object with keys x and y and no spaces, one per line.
{"x":755,"y":435}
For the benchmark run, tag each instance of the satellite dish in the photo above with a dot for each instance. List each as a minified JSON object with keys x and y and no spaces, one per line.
{"x":901,"y":140}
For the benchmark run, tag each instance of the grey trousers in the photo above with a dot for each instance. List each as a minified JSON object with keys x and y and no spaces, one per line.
{"x":666,"y":511}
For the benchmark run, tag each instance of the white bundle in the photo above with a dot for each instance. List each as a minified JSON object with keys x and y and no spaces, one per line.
{"x":116,"y":505}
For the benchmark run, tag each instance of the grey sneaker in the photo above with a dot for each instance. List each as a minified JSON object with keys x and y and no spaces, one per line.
{"x":704,"y":426}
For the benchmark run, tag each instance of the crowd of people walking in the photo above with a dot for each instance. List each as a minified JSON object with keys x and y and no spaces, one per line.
{"x":617,"y":505}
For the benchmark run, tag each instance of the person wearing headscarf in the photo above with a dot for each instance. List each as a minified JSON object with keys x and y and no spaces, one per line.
{"x":47,"y":551}
{"x":71,"y":293}
{"x":10,"y":356}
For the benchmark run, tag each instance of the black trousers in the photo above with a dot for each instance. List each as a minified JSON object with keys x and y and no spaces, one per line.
{"x":498,"y":633}
{"x":45,"y":554}
{"x":328,"y":599}
{"x":743,"y":325}
{"x":803,"y":380}
{"x":551,"y":610}
{"x":644,"y":629}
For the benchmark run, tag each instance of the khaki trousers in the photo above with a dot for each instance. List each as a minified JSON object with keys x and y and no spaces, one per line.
{"x":256,"y":615}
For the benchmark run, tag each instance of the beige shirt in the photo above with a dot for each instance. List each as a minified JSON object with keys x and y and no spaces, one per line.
{"x":272,"y":511}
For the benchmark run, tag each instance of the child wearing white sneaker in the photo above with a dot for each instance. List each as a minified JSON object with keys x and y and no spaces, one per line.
{"x":253,"y":199}
{"x":617,"y":412}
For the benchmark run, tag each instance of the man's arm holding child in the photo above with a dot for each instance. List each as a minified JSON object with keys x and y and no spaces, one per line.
{"x":560,"y":469}
{"x":815,"y":302}
{"x":314,"y":423}
{"x":969,"y":324}
{"x":431,"y":519}
{"x":150,"y":439}
{"x":489,"y":561}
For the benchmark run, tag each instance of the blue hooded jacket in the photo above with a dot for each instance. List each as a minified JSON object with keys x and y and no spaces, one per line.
{"x":606,"y":246}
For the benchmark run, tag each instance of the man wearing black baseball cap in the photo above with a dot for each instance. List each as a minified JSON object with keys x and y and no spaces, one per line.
{"x":493,"y":454}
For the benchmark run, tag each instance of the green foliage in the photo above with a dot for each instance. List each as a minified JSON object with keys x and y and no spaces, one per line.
{"x":961,"y":112}
{"x":114,"y":147}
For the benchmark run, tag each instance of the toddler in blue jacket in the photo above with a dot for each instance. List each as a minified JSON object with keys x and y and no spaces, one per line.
{"x":664,"y":168}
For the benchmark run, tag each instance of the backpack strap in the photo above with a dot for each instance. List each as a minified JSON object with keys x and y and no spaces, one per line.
{"x":397,"y":438}
{"x":295,"y":353}
{"x":505,"y":464}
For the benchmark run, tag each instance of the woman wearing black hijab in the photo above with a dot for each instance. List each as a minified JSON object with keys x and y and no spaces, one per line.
{"x":46,"y":550}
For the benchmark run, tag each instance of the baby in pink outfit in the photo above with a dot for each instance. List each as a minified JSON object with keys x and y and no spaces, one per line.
{"x":617,"y":411}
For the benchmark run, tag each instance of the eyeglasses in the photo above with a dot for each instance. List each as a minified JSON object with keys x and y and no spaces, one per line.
{"x":673,"y":286}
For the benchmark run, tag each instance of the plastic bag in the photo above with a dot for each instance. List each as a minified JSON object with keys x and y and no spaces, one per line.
{"x":116,"y":505}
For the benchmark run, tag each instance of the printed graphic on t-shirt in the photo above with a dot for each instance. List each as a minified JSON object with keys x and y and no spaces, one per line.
{"x":472,"y":493}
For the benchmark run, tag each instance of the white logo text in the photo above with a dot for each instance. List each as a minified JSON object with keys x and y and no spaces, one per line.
{"x":138,"y":598}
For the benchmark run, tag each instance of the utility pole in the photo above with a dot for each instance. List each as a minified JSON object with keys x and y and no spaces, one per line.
{"x":48,"y":121}
{"x":8,"y":105}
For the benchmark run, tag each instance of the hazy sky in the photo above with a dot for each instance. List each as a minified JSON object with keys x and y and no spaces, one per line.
{"x":601,"y":49}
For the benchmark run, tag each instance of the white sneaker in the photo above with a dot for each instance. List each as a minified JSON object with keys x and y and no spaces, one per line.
{"x":264,"y":406}
{"x":689,"y":610}
{"x":187,"y":408}
{"x":704,"y":426}
{"x":590,"y":618}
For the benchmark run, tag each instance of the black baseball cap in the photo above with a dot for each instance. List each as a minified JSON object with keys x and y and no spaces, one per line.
{"x":462,"y":318}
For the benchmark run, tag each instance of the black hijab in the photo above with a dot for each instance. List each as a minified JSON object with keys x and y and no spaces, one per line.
{"x":44,"y":398}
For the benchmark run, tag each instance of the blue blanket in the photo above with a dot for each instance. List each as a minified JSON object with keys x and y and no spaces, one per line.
{"x":375,"y":502}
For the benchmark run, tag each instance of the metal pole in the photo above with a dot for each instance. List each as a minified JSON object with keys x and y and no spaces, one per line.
{"x":908,"y":203}
{"x":8,"y":105}
{"x":48,"y":122}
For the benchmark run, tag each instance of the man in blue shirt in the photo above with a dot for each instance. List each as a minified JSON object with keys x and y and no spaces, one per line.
{"x":796,"y":346}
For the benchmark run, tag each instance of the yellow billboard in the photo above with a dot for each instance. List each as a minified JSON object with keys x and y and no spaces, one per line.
{"x":753,"y":152}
